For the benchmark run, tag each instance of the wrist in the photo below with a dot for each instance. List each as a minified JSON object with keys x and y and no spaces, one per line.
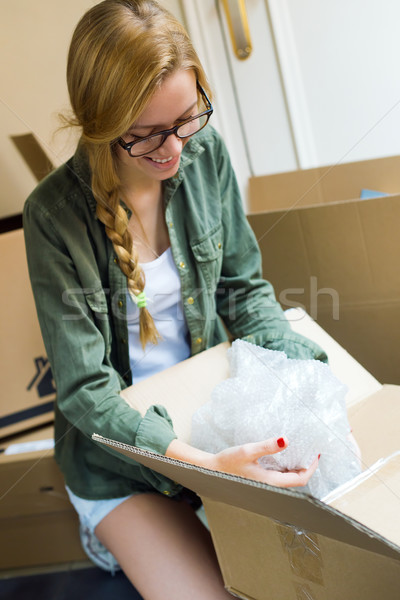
{"x":182,"y":451}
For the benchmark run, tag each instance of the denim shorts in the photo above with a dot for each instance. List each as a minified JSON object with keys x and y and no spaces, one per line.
{"x":90,"y":513}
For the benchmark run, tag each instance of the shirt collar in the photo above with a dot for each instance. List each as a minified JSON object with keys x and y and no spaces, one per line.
{"x":191,"y":151}
{"x":82,"y":171}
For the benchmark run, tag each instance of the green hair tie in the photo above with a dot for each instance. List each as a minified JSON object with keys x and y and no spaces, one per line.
{"x":141,"y":300}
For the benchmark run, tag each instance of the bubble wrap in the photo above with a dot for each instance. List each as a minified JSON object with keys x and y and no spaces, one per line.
{"x":269,"y":395}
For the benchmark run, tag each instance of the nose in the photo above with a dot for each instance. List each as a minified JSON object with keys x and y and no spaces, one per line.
{"x":172,"y":145}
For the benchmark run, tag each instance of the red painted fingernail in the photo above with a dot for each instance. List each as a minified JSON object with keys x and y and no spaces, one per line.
{"x":319,"y":456}
{"x":280,"y":442}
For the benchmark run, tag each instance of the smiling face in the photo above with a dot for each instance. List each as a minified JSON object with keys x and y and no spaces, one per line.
{"x":175,"y":101}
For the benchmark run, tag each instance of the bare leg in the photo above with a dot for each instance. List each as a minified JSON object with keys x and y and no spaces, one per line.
{"x":163,"y":548}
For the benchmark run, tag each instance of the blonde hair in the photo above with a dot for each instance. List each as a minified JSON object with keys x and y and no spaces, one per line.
{"x":120,"y":53}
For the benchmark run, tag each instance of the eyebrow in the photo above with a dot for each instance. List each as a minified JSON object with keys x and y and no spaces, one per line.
{"x":137,"y":126}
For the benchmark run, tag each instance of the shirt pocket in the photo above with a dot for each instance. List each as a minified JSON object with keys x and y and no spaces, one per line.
{"x":97,"y":303}
{"x":208,"y":252}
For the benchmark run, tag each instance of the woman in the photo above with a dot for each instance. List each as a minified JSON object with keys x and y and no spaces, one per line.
{"x":140,"y":256}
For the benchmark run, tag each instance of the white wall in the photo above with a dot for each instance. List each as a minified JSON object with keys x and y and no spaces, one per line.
{"x":340,"y":60}
{"x":35,"y":37}
{"x":321,"y":86}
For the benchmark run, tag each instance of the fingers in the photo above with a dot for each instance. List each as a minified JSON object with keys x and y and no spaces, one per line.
{"x":298,"y":478}
{"x":242,"y":460}
{"x":284,"y":479}
{"x":258,"y":449}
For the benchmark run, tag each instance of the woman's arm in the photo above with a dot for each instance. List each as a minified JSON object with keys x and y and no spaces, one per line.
{"x":245,"y":300}
{"x":242,"y":461}
{"x":76,"y":325}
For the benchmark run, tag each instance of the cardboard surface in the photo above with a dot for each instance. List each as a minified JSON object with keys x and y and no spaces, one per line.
{"x":31,"y":482}
{"x":263,"y":559}
{"x":38,"y":524}
{"x":33,"y":154}
{"x":323,"y":185}
{"x":28,"y":390}
{"x":376,"y":424}
{"x":211,"y":368}
{"x":279,"y":543}
{"x":270,"y":540}
{"x":374,"y":498}
{"x":285,"y":506}
{"x":334,"y":254}
{"x":40,"y":540}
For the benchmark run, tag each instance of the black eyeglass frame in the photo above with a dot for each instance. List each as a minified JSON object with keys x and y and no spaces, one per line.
{"x":174,"y":130}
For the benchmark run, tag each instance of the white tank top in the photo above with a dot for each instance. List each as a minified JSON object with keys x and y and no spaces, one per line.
{"x":164,"y":302}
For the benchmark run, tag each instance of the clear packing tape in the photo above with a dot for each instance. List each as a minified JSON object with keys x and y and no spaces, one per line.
{"x":304,"y":557}
{"x":269,"y":395}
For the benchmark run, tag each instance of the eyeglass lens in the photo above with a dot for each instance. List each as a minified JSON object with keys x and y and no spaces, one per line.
{"x":185,"y":130}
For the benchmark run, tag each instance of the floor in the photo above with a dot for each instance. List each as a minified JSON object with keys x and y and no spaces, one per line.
{"x":67,"y":584}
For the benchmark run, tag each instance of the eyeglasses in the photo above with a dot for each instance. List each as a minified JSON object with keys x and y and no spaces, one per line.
{"x":186,"y":129}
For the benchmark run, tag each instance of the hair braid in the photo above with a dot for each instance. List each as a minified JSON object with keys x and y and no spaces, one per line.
{"x":110,"y":212}
{"x":120,"y":53}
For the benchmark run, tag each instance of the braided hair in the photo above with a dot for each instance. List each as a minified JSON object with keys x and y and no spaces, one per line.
{"x":120,"y":54}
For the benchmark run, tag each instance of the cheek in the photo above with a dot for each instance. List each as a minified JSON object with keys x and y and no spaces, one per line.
{"x":126,"y":163}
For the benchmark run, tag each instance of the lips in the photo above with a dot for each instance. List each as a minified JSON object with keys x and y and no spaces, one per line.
{"x":162,"y":160}
{"x":164,"y":164}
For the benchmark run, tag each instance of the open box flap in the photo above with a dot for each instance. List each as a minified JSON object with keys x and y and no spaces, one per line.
{"x":375,"y":496}
{"x":184,"y":387}
{"x":375,"y":423}
{"x":286,"y":506}
{"x":323,"y":185}
{"x":336,"y":260}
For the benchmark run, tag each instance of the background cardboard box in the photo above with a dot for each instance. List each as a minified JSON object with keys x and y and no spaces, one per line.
{"x":38,"y":524}
{"x":28,"y":390}
{"x":336,"y":255}
{"x":283,"y":544}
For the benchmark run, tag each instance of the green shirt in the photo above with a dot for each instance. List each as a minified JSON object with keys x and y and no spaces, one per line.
{"x":80,"y":295}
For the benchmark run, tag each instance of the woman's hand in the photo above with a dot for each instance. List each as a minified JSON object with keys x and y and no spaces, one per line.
{"x":243,"y":461}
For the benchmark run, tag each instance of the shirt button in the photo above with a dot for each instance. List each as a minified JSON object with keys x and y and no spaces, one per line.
{"x":199,"y":340}
{"x":190,"y":300}
{"x":166,"y":492}
{"x":170,"y":224}
{"x":182,"y":265}
{"x":115,"y":259}
{"x":120,"y":304}
{"x":219,"y":245}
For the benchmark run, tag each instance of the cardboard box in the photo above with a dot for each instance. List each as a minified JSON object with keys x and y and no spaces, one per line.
{"x":33,"y":154}
{"x":38,"y":524}
{"x":28,"y":390}
{"x":336,"y":255}
{"x":283,"y":544}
